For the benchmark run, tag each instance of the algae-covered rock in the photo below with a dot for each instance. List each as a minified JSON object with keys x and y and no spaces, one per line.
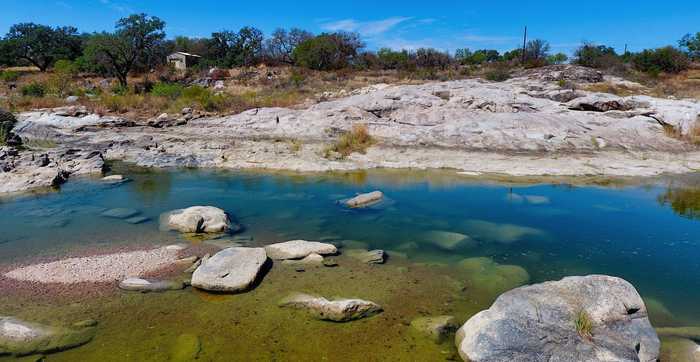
{"x":120,"y":213}
{"x":367,"y":256}
{"x":541,"y":323}
{"x":681,"y":332}
{"x":485,"y":274}
{"x":186,"y":348}
{"x":438,"y":328}
{"x":659,"y":315}
{"x":22,"y":338}
{"x":339,"y":310}
{"x":679,"y":350}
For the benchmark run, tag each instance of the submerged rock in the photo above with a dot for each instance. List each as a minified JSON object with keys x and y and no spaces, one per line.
{"x":230,"y":270}
{"x":500,"y":233}
{"x":539,"y":323}
{"x":680,"y":349}
{"x":114,"y":179}
{"x":485,"y":274}
{"x":340,"y":310}
{"x":143,"y":285}
{"x":683,"y":332}
{"x":22,"y":338}
{"x":297,"y":249}
{"x":449,"y":240}
{"x":363,"y":200}
{"x":120,"y":213}
{"x":438,"y":328}
{"x":369,"y":257}
{"x":187,"y":348}
{"x":198,"y":219}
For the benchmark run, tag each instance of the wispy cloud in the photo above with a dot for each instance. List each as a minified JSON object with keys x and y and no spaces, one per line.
{"x":117,"y":6}
{"x":365,"y":28}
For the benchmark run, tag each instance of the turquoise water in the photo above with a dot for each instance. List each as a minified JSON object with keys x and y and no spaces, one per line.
{"x":647,"y":234}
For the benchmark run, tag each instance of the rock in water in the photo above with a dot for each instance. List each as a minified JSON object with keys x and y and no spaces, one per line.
{"x":198,"y":219}
{"x":340,"y":310}
{"x":312,"y":259}
{"x":448,"y":240}
{"x":369,"y":257}
{"x":230,"y":270}
{"x":538,"y":323}
{"x":143,"y":285}
{"x":120,"y":213}
{"x":21,"y":338}
{"x":363,"y":200}
{"x":487,"y":275}
{"x":297,"y":249}
{"x":114,"y":179}
{"x":186,"y":348}
{"x":438,"y":328}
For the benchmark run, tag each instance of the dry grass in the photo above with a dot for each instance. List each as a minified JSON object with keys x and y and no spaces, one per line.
{"x":616,"y":89}
{"x":584,"y":325}
{"x":357,"y":140}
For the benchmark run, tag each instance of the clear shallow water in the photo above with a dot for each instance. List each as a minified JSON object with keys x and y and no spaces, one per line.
{"x":645,"y":234}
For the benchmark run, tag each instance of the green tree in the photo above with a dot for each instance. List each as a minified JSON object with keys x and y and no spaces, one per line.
{"x":41,"y":45}
{"x":281,"y":45}
{"x":667,"y":59}
{"x":136,"y":44}
{"x":536,"y":52}
{"x":328,"y":51}
{"x":691,"y":43}
{"x":596,"y":56}
{"x":559,"y":58}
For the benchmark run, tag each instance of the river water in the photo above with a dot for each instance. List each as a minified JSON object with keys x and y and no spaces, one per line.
{"x":645,"y":232}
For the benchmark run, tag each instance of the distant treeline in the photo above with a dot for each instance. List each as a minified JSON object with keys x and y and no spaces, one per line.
{"x":139,"y":43}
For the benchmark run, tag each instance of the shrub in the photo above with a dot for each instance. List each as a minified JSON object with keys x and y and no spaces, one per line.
{"x":327,"y":51}
{"x":357,"y":140}
{"x":498,"y":74}
{"x":61,"y":80}
{"x":668,"y":59}
{"x":7,"y":121}
{"x":120,"y":90}
{"x":9,"y":75}
{"x":34,"y":89}
{"x":600,"y":56}
{"x":432,"y":58}
{"x":584,"y":325}
{"x":168,"y":90}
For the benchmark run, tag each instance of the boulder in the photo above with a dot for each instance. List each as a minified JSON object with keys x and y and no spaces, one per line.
{"x":143,"y":285}
{"x":438,"y":328}
{"x":363,"y":200}
{"x":198,"y":219}
{"x":298,"y":249}
{"x":20,"y":338}
{"x":339,"y":310}
{"x":230,"y":270}
{"x":311,"y":259}
{"x":539,"y":323}
{"x":114,"y":179}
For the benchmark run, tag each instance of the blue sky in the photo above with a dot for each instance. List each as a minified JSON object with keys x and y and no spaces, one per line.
{"x":446,"y":25}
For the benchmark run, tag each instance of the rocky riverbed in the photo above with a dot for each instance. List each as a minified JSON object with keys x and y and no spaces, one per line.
{"x":541,"y":122}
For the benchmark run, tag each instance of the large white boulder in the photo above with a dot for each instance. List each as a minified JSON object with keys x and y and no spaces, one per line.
{"x":539,"y":323}
{"x":198,"y":219}
{"x":22,"y":338}
{"x":230,"y":270}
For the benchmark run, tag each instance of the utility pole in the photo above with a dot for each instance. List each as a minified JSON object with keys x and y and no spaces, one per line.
{"x":524,"y":45}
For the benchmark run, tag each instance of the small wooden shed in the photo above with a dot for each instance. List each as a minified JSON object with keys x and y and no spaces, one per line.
{"x":182,"y":60}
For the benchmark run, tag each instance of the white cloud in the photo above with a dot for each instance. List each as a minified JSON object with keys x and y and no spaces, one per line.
{"x":365,"y":28}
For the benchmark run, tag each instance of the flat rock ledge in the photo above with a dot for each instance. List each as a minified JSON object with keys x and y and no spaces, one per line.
{"x":299,"y":249}
{"x":539,"y":323}
{"x":231,"y":270}
{"x":20,"y":338}
{"x":339,"y":310}
{"x":98,"y":269}
{"x":198,"y":219}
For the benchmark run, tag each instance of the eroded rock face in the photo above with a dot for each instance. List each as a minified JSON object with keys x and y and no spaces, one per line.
{"x":230,"y":270}
{"x":339,"y":310}
{"x":22,"y":338}
{"x":537,"y":323}
{"x":198,"y":219}
{"x":298,"y":249}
